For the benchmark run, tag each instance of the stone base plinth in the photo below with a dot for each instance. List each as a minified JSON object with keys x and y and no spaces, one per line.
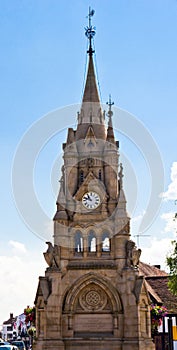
{"x":49,"y":344}
{"x":108,"y":344}
{"x":133,"y":344}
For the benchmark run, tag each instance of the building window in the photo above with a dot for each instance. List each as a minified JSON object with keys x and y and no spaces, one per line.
{"x":100,"y":175}
{"x":81,"y":176}
{"x":78,"y":242}
{"x":105,"y":242}
{"x":91,"y":242}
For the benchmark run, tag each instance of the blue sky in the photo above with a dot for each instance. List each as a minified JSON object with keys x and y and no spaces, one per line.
{"x":43,"y":60}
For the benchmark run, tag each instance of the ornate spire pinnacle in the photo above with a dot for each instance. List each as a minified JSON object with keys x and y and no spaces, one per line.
{"x":110,"y":132}
{"x":121,"y":176}
{"x":90,"y":31}
{"x":110,"y":112}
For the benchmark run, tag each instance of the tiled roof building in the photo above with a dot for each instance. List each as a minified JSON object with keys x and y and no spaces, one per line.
{"x":157,"y":285}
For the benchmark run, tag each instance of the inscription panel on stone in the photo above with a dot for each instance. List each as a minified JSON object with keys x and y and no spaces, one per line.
{"x":93,"y":323}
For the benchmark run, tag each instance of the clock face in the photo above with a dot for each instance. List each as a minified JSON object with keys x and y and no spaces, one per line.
{"x":91,"y":200}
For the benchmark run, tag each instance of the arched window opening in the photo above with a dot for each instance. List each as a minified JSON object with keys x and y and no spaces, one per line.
{"x":105,"y":242}
{"x":100,"y":175}
{"x":92,"y":242}
{"x":81,"y":176}
{"x":78,"y":242}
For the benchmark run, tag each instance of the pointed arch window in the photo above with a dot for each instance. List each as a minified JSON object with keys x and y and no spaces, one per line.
{"x":78,"y":242}
{"x":105,"y":242}
{"x":92,"y":242}
{"x":81,"y":176}
{"x":100,"y":175}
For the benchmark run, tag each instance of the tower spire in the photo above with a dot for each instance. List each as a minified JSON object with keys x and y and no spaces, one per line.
{"x":91,"y":111}
{"x":90,"y":91}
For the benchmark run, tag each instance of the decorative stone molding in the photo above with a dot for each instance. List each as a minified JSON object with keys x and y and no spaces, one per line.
{"x":93,"y":298}
{"x":83,"y":284}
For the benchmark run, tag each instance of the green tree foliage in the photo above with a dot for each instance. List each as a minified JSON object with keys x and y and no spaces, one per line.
{"x":172,"y":264}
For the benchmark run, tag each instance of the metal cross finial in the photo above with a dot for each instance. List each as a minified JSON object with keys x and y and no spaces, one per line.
{"x":110,"y":112}
{"x":110,"y":103}
{"x":90,"y":31}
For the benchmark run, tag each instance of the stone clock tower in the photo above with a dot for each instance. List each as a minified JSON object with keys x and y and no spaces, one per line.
{"x":92,"y":296}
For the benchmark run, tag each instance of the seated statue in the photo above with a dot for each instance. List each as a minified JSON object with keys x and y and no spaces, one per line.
{"x":132,"y":254}
{"x":52,"y":255}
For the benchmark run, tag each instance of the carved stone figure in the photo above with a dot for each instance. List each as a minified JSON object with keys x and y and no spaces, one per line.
{"x":132,"y":254}
{"x":52,"y":255}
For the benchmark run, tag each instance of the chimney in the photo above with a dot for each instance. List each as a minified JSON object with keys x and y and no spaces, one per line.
{"x":157,"y":266}
{"x":11,"y":315}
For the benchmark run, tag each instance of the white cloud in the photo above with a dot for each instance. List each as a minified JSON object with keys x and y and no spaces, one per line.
{"x":138,"y":218}
{"x":17,"y":247}
{"x":157,"y":252}
{"x":171,"y":193}
{"x":135,"y":223}
{"x":48,"y":226}
{"x":171,"y":223}
{"x":19,"y":279}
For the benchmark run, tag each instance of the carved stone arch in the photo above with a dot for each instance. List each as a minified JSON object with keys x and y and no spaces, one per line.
{"x":92,"y":241}
{"x":78,"y":241}
{"x":92,"y":308}
{"x":100,"y":175}
{"x":81,"y":176}
{"x":89,"y":228}
{"x":106,"y":243}
{"x":107,"y":228}
{"x":91,"y":234}
{"x":71,"y":296}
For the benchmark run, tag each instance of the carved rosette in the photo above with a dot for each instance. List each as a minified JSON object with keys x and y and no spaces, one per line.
{"x":93,"y":298}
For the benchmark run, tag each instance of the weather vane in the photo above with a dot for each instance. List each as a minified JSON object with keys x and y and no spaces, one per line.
{"x":90,"y":31}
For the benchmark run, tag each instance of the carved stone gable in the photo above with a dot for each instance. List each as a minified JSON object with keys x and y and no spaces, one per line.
{"x":91,"y":183}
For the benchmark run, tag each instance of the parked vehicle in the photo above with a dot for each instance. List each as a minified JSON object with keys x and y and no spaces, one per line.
{"x":3,"y":342}
{"x":19,"y":343}
{"x":8,"y":347}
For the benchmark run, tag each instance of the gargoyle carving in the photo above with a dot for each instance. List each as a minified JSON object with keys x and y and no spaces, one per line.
{"x":132,"y":254}
{"x":52,"y":255}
